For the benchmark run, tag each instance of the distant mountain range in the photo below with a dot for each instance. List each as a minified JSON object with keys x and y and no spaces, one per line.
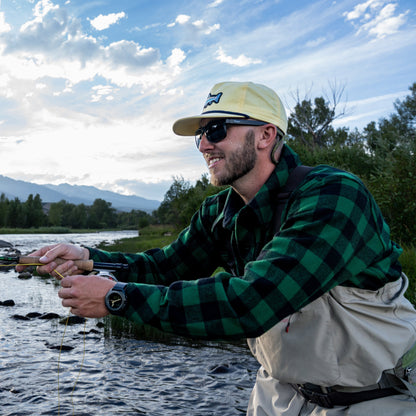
{"x":73,"y":194}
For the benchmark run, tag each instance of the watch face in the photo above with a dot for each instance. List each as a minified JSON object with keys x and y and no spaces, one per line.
{"x":115,"y":300}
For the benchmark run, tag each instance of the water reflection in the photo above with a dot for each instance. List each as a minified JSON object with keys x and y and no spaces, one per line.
{"x":126,"y":370}
{"x":30,"y":242}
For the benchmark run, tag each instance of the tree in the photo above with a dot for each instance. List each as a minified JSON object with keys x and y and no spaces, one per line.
{"x":182,"y":200}
{"x":169,"y":211}
{"x":392,"y":144}
{"x":15,"y":217}
{"x":101,"y":215}
{"x":57,"y":213}
{"x":4,"y":207}
{"x":396,"y":131}
{"x":134,"y":219}
{"x":310,"y":122}
{"x":33,"y":212}
{"x":78,"y":216}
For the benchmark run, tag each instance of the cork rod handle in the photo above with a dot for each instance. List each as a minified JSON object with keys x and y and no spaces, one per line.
{"x":87,"y":265}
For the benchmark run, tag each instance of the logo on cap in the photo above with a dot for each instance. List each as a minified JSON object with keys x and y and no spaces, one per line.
{"x":213,"y":99}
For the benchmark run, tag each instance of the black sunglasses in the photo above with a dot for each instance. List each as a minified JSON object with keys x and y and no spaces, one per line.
{"x":216,"y":130}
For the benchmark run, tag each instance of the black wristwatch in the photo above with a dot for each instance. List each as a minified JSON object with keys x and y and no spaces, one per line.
{"x":116,"y":299}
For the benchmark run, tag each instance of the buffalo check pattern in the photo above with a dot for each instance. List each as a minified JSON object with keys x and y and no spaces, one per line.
{"x":230,"y":275}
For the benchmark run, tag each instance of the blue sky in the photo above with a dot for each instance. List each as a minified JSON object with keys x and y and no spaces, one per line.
{"x":89,"y":90}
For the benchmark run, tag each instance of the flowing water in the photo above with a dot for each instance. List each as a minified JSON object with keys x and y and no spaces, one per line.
{"x":100,"y":367}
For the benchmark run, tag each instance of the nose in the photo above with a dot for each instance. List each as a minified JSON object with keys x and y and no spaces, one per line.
{"x":205,"y":144}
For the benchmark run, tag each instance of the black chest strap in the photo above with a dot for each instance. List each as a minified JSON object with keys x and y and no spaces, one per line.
{"x":294,"y":180}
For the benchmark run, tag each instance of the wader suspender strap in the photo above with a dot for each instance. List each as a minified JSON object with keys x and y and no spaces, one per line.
{"x":294,"y":180}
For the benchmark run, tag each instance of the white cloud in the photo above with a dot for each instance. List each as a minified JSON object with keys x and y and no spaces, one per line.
{"x":116,"y":98}
{"x":196,"y":27}
{"x":240,"y":61}
{"x":377,"y":18}
{"x":101,"y":92}
{"x":202,"y":27}
{"x":180,"y":20}
{"x":54,"y":45}
{"x":316,"y":42}
{"x":102,"y":22}
{"x":5,"y":89}
{"x":215,"y":3}
{"x":127,"y":53}
{"x":369,"y":109}
{"x":361,"y":9}
{"x":4,"y":27}
{"x":386,"y":23}
{"x":102,"y":153}
{"x":43,"y":7}
{"x":175,"y":59}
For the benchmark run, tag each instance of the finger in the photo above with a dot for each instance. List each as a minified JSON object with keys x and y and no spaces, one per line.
{"x":47,"y":268}
{"x":49,"y":255}
{"x":74,"y":270}
{"x":76,"y":311}
{"x":65,"y":293}
{"x":68,"y":303}
{"x":64,"y":269}
{"x":66,"y":282}
{"x":37,"y":253}
{"x":42,"y":251}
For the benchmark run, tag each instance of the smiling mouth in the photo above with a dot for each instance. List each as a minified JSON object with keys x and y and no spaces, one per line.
{"x":212,"y":160}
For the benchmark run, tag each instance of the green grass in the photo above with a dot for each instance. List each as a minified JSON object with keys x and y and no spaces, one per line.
{"x":149,"y":237}
{"x":408,"y":261}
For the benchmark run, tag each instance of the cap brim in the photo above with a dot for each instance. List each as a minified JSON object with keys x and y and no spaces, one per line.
{"x":189,"y":125}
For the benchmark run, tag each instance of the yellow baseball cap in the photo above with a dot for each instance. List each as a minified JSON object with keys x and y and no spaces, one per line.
{"x":237,"y":100}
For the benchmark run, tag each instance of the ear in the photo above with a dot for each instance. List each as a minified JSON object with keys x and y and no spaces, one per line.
{"x":268,"y":136}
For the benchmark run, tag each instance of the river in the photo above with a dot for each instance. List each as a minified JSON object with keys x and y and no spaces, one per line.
{"x":100,"y":367}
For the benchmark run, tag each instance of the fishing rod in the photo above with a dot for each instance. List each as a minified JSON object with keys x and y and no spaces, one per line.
{"x":86,"y":265}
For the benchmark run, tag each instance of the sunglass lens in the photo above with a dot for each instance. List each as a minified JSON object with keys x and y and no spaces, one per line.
{"x":214,"y":132}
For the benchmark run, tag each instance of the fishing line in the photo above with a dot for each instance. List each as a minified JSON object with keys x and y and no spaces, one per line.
{"x":80,"y":368}
{"x":59,"y":358}
{"x":59,"y":361}
{"x":62,"y":342}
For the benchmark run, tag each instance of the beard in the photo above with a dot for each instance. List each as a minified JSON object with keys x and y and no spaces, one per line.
{"x":240,"y":162}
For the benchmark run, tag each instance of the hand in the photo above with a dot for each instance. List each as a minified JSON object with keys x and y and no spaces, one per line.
{"x":85,"y":295}
{"x":65,"y":251}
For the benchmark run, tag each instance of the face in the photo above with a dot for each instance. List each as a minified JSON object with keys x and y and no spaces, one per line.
{"x":232,"y":158}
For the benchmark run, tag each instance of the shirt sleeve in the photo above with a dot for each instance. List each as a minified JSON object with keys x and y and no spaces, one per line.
{"x":332,"y":234}
{"x":192,"y":255}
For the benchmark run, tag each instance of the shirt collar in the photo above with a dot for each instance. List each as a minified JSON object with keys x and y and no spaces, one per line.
{"x":262,"y":205}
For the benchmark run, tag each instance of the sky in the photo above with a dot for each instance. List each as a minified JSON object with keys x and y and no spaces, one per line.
{"x":89,"y":90}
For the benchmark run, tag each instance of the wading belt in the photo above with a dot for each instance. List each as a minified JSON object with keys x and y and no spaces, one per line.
{"x":330,"y":398}
{"x":399,"y":380}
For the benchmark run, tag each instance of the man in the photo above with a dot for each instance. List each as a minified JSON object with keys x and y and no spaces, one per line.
{"x":317,"y":289}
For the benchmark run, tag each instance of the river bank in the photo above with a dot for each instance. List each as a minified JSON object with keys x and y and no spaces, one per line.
{"x":106,"y":367}
{"x":51,"y":230}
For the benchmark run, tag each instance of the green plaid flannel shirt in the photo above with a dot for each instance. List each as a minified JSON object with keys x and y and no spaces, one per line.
{"x":332,"y":233}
